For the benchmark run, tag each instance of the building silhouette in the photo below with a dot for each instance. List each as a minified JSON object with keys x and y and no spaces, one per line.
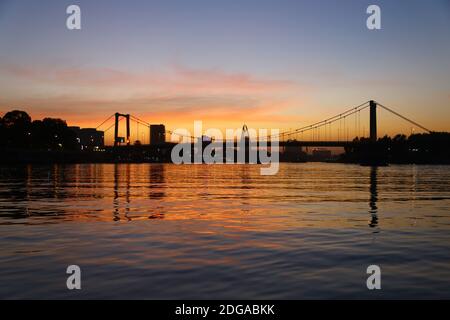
{"x":157,"y":134}
{"x":89,"y":139}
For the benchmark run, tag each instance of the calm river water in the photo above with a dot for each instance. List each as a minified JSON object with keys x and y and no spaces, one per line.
{"x":155,"y":231}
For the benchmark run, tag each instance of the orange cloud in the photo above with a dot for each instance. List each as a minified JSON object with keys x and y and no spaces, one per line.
{"x":177,"y":79}
{"x":179,"y":95}
{"x":170,"y":110}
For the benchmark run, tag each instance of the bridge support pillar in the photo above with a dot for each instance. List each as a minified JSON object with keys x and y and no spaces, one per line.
{"x":128,"y":129}
{"x":373,"y":121}
{"x":116,"y":129}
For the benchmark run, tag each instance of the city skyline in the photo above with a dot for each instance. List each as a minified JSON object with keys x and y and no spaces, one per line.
{"x":266,"y":65}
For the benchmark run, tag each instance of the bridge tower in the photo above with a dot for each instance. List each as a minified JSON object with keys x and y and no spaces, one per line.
{"x":117,"y":140}
{"x":373,"y":121}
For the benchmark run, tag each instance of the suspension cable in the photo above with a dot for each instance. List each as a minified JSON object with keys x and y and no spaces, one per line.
{"x":112,"y":125}
{"x":403,"y":117}
{"x":104,"y":121}
{"x":323,"y":122}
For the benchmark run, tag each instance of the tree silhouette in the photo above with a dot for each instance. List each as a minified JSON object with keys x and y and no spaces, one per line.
{"x":16,"y":127}
{"x":52,"y":134}
{"x":19,"y":132}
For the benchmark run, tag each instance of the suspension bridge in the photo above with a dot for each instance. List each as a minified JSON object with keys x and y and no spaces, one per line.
{"x":339,"y":130}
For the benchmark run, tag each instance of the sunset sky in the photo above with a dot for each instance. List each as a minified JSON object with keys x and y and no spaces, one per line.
{"x":273,"y":64}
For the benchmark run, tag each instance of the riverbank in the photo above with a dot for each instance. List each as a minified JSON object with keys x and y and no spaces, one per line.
{"x":13,"y":157}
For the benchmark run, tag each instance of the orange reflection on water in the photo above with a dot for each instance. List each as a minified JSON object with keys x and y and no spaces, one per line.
{"x":229,"y":196}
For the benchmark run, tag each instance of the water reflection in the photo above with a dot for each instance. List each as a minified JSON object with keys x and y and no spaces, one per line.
{"x":157,"y":189}
{"x":318,"y":194}
{"x":373,"y":197}
{"x":122,"y":181}
{"x":246,"y":186}
{"x":116,"y":213}
{"x":189,"y":237}
{"x":157,"y":181}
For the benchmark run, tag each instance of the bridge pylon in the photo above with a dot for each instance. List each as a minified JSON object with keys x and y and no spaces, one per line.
{"x":117,"y":140}
{"x":373,"y":121}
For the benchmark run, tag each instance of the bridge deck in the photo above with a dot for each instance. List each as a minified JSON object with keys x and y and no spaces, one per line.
{"x":254,"y":144}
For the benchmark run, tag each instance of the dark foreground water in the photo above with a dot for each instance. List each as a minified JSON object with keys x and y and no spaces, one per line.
{"x":167,"y":232}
